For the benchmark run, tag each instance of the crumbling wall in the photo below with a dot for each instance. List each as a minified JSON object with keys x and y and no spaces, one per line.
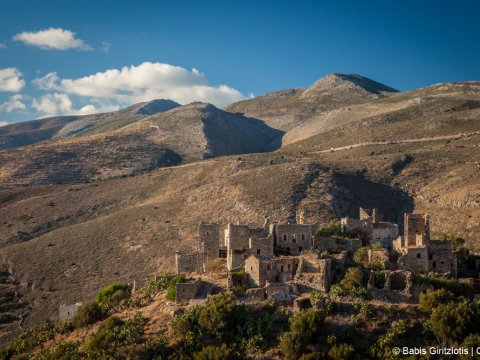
{"x":273,"y":288}
{"x":414,"y":259}
{"x":68,"y":311}
{"x":443,"y":259}
{"x":384,"y":233}
{"x":190,"y":263}
{"x":187,"y":291}
{"x":314,"y":273}
{"x":261,"y":246}
{"x":237,"y":238}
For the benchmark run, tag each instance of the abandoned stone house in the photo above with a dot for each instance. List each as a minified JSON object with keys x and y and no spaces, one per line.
{"x":370,"y":222}
{"x":68,"y":311}
{"x":421,"y":255}
{"x":307,"y":269}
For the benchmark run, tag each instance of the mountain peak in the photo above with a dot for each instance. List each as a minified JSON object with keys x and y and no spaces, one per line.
{"x":344,"y":83}
{"x":154,"y":107}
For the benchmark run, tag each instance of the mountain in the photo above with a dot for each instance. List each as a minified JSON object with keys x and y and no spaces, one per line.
{"x":367,"y":146}
{"x":114,"y":145}
{"x":287,"y":109}
{"x":31,"y":132}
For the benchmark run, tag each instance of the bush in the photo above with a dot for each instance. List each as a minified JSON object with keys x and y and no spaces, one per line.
{"x":312,"y":356}
{"x":471,"y":341}
{"x":157,"y":348}
{"x":114,"y":333}
{"x":383,"y":347}
{"x":213,"y":353}
{"x":113,"y":294}
{"x":89,"y":313}
{"x":361,"y":256}
{"x":217,"y":315}
{"x":155,"y":286}
{"x":353,"y":279}
{"x":341,"y":352}
{"x":332,"y":228}
{"x":216,"y":265}
{"x":431,"y":299}
{"x":63,"y":351}
{"x":451,"y":322}
{"x":172,"y":289}
{"x":304,"y":327}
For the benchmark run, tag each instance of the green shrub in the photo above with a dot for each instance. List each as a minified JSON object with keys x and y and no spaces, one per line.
{"x":438,"y":282}
{"x":341,"y":352}
{"x":304,"y":327}
{"x":361,"y":256}
{"x":382,"y":349}
{"x":113,"y":294}
{"x":89,"y":313}
{"x":114,"y":333}
{"x":451,"y":322}
{"x":156,"y":285}
{"x":157,"y":348}
{"x":353,"y":279}
{"x":431,"y":299}
{"x":63,"y":351}
{"x":217,"y":315}
{"x":213,"y":353}
{"x":471,"y":341}
{"x":312,"y":356}
{"x":172,"y":290}
{"x":332,"y":228}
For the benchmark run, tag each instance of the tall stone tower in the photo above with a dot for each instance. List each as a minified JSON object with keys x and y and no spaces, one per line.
{"x":209,"y":235}
{"x":416,"y":230}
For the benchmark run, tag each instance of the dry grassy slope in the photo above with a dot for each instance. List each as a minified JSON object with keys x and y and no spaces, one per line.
{"x":128,"y":228}
{"x":190,"y":132}
{"x":287,"y":109}
{"x":428,"y":112}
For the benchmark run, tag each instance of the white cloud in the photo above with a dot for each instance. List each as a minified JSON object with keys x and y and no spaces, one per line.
{"x":52,"y":38}
{"x":3,"y":123}
{"x":144,"y":82}
{"x":106,"y":46}
{"x":61,"y":104}
{"x":14,"y":103}
{"x":2,"y":46}
{"x":11,"y":80}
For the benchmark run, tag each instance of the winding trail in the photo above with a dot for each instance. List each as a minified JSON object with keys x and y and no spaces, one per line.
{"x":390,"y":142}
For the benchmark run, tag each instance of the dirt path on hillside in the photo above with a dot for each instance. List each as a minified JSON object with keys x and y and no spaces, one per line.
{"x":390,"y":142}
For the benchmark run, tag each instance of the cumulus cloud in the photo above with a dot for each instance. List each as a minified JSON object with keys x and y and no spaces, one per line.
{"x":13,"y":104}
{"x":52,"y":38}
{"x":144,"y":82}
{"x":61,"y":104}
{"x":3,"y":123}
{"x":11,"y":80}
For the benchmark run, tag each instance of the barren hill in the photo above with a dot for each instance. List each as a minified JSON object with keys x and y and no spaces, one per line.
{"x":64,"y":242}
{"x":287,"y":109}
{"x":31,"y":132}
{"x":191,"y":132}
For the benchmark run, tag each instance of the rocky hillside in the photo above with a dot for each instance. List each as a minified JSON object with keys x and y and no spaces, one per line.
{"x":31,"y":132}
{"x":288,"y":109}
{"x":191,"y":132}
{"x":400,"y":152}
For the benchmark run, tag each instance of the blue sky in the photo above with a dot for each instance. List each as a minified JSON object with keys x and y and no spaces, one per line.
{"x":250,"y":47}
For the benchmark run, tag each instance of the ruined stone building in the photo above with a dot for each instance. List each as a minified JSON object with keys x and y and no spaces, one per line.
{"x":421,"y":255}
{"x":293,"y":238}
{"x":306,"y":270}
{"x":190,"y":263}
{"x":371,"y":223}
{"x":243,"y":240}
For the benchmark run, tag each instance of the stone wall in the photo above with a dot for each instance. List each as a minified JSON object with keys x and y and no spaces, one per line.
{"x":383,"y":233}
{"x":237,"y":239}
{"x":293,"y":238}
{"x":190,"y":263}
{"x":209,"y":238}
{"x":187,"y":291}
{"x":415,"y":259}
{"x":66,"y":312}
{"x":261,"y":246}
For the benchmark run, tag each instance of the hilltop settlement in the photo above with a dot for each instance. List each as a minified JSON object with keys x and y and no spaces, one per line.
{"x":284,"y":261}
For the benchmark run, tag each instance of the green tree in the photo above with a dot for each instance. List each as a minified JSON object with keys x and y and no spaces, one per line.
{"x":471,"y":341}
{"x":431,"y":299}
{"x":451,"y":322}
{"x":217,"y":316}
